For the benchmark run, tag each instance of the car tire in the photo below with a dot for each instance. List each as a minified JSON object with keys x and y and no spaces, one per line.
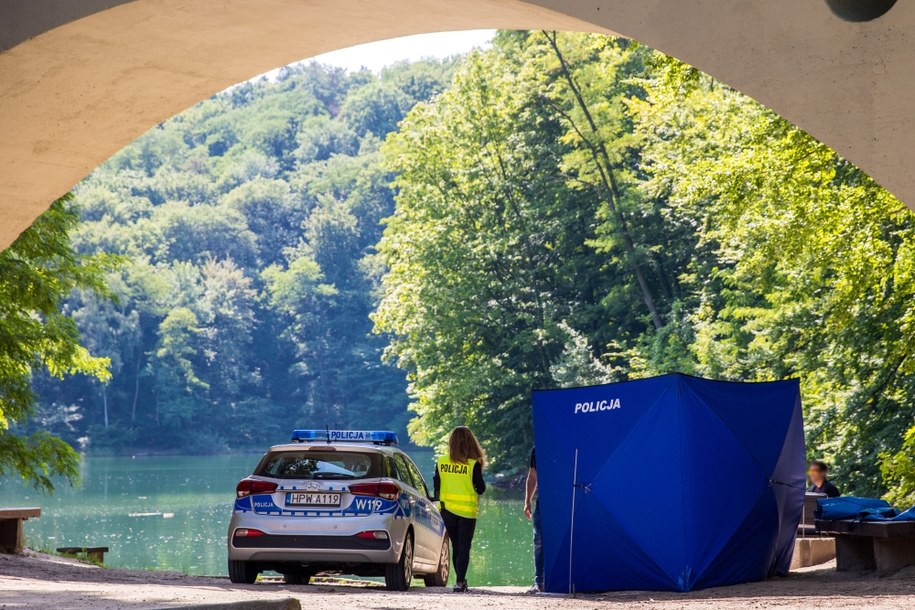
{"x":296,"y":578}
{"x":243,"y":572}
{"x":440,"y":577}
{"x":398,"y":576}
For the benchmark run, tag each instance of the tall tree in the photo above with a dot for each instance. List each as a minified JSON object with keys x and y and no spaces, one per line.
{"x":591,"y":104}
{"x":37,"y":273}
{"x":803,"y":266}
{"x":487,"y":255}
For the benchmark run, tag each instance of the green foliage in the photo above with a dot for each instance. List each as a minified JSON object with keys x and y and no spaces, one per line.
{"x":489,"y":270}
{"x":570,"y":209}
{"x":375,"y":108}
{"x":899,"y":472}
{"x":249,"y":223}
{"x":577,"y":208}
{"x":37,"y":272}
{"x":803,"y":266}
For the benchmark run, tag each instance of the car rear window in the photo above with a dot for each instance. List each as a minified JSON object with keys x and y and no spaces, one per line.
{"x":323,"y":465}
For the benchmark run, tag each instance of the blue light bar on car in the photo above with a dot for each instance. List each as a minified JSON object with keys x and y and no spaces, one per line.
{"x":378,"y":437}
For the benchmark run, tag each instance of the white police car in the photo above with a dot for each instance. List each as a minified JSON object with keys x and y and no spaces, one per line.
{"x":337,"y":501}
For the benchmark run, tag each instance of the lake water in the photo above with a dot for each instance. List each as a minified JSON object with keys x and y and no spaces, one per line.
{"x":172,"y":513}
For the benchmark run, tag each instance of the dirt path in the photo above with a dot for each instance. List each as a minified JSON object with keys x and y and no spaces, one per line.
{"x":42,"y":581}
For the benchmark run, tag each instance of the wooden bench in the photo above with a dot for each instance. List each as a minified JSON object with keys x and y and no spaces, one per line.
{"x":885,"y":546}
{"x":11,"y":530}
{"x":807,"y":527}
{"x":95,"y":554}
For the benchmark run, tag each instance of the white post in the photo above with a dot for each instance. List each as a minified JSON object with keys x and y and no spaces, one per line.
{"x":572,"y":521}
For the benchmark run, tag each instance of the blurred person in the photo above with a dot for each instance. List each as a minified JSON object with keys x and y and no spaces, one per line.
{"x":532,"y":499}
{"x":816,"y":473}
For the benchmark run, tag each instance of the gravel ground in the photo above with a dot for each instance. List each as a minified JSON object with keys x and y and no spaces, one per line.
{"x":42,"y":581}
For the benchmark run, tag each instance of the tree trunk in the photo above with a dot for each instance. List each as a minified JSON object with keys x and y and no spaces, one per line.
{"x":136,"y":388}
{"x":606,"y":171}
{"x":105,"y":404}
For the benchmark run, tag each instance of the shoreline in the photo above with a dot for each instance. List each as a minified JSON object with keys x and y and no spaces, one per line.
{"x":39,"y":580}
{"x":512,"y":480}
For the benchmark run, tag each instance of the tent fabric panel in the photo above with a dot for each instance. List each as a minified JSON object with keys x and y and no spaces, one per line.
{"x":570,"y":418}
{"x":589,"y":424}
{"x":634,"y":485}
{"x":758,"y":413}
{"x":722,"y":483}
{"x":789,"y":486}
{"x":605,"y":557}
{"x":748,"y":555}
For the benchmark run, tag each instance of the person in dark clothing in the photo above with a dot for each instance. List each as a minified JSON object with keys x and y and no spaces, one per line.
{"x":458,"y":484}
{"x":816,"y":472}
{"x":530,"y":491}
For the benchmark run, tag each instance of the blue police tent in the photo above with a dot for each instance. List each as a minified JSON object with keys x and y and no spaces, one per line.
{"x":668,"y":483}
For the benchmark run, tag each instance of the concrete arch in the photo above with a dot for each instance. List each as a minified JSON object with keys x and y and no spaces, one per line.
{"x":82,"y":80}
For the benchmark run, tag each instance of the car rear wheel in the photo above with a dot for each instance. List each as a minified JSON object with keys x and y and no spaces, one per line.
{"x":398,"y":576}
{"x":297,"y":578}
{"x":243,"y":572}
{"x":440,"y":577}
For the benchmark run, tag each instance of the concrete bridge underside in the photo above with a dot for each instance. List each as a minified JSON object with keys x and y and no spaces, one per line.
{"x":79,"y":80}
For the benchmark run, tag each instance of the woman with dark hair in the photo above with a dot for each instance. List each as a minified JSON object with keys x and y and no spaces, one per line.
{"x":458,"y":484}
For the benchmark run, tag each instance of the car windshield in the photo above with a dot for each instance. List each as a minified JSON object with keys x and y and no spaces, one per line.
{"x":326,"y":465}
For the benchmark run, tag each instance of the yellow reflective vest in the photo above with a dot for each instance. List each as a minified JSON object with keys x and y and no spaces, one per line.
{"x":456,"y":492}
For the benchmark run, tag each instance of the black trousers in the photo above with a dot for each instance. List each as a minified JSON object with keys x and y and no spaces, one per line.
{"x":460,"y":530}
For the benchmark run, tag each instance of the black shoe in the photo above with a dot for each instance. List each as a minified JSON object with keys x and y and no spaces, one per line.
{"x":460,"y":587}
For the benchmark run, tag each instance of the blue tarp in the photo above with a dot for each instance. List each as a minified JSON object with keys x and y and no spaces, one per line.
{"x":862,"y":509}
{"x":849,"y":507}
{"x":682,"y":483}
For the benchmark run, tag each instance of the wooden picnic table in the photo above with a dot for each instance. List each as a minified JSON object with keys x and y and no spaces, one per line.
{"x":885,"y":546}
{"x":95,"y":554}
{"x":11,"y":527}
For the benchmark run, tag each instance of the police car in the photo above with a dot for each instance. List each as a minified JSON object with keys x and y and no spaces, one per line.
{"x":337,"y":501}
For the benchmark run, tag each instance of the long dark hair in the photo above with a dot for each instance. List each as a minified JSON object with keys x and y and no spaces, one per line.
{"x":463,"y":446}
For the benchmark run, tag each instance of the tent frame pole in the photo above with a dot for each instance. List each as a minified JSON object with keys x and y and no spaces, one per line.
{"x":572,"y":521}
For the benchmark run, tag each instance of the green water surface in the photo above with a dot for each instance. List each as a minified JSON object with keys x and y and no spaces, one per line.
{"x":172,"y":513}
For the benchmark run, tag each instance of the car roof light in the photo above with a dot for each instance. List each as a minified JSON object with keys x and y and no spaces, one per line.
{"x":376,"y":437}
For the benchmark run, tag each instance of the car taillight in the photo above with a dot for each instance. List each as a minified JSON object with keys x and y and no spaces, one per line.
{"x":245,"y":532}
{"x":373,"y":535}
{"x":385,"y":489}
{"x":249,"y":487}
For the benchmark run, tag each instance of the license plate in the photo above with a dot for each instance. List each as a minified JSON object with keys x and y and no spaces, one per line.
{"x":310,"y":498}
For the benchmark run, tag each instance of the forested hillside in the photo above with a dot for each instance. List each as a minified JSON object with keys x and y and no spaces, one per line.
{"x":557,"y":210}
{"x":247,"y":227}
